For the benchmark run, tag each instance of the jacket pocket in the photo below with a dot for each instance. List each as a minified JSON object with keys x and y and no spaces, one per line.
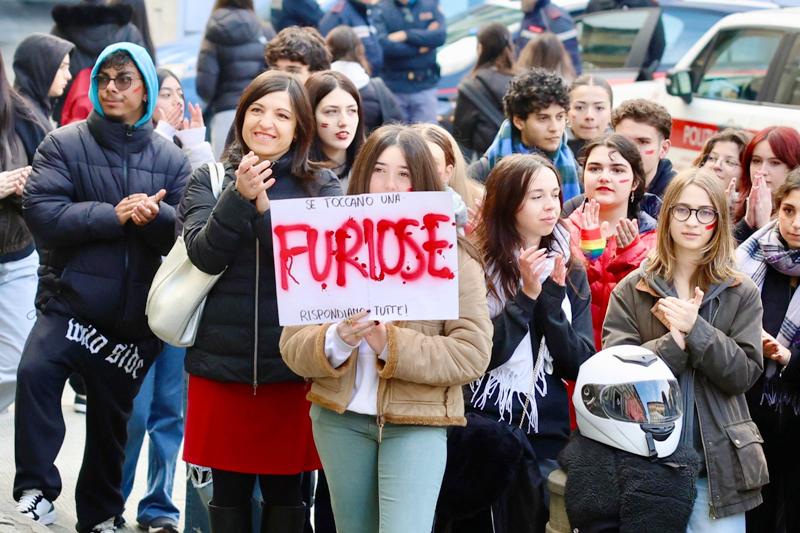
{"x":405,"y":392}
{"x":331,"y":384}
{"x":750,"y":464}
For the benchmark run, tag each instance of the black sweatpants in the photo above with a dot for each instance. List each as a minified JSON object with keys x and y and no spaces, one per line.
{"x":113,"y":371}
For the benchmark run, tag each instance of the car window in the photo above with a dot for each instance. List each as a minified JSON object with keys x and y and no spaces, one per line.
{"x":606,"y":38}
{"x":469,"y":22}
{"x":789,"y":84}
{"x":737,"y":65}
{"x":682,"y":28}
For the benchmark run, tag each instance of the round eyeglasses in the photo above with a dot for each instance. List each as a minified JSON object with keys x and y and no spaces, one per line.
{"x":122,"y":83}
{"x":704,"y":215}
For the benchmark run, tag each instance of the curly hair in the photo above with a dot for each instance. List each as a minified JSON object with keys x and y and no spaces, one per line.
{"x":301,"y":44}
{"x":644,"y":112}
{"x":534,"y":90}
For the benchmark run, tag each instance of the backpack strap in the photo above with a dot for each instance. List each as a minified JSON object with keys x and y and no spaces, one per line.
{"x":480,"y":99}
{"x":217,"y":175}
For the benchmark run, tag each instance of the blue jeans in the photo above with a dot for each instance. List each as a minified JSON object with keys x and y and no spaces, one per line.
{"x":18,"y":282}
{"x":158,"y":410}
{"x":386,"y":487}
{"x":701,"y":522}
{"x":419,"y":106}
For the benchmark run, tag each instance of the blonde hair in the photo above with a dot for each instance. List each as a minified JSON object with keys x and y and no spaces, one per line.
{"x":469,"y":190}
{"x":717,"y":263}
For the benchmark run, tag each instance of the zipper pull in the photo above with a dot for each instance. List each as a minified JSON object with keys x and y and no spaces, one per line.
{"x":381,"y":421}
{"x":129,"y":131}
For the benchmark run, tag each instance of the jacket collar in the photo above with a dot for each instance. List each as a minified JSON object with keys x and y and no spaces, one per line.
{"x":657,"y":287}
{"x":113,"y":135}
{"x":664,"y":174}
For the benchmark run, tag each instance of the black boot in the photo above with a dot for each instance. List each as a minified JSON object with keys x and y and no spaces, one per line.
{"x":280,"y":519}
{"x":229,"y":519}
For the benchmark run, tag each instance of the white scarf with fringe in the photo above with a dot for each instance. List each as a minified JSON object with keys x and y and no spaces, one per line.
{"x":522,"y":377}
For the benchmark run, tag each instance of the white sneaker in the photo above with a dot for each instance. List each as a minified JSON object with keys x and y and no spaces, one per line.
{"x":35,"y":506}
{"x":105,"y":527}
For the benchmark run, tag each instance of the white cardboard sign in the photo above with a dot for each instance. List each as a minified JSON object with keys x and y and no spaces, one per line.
{"x":392,"y":253}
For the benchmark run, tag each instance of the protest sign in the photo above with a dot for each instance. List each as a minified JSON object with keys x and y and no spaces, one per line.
{"x":392,"y":253}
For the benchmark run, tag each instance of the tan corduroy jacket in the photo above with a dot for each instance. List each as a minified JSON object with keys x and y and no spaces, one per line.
{"x":428,"y":361}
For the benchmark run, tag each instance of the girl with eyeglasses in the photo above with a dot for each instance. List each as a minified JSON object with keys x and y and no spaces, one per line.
{"x":766,"y":161}
{"x":771,"y":257}
{"x":722,"y":154}
{"x":689,"y":305}
{"x":615,"y":234}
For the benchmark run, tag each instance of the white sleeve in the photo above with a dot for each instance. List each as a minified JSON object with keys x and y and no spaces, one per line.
{"x":336,"y":350}
{"x":166,"y":130}
{"x":195,"y":146}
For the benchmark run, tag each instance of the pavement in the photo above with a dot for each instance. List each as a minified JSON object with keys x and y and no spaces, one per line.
{"x":68,"y":462}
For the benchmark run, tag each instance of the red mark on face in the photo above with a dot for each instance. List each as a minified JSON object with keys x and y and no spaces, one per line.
{"x":711,"y":226}
{"x":137,"y":89}
{"x":651,"y":151}
{"x":324,"y":125}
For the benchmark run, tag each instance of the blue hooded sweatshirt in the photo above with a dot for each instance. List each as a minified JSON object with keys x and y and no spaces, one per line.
{"x":141,"y":58}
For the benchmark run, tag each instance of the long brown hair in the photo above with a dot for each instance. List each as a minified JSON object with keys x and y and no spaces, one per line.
{"x":496,"y":49}
{"x":497,"y":237}
{"x":345,"y":45}
{"x":717,"y":263}
{"x":273,"y":81}
{"x":546,"y":51}
{"x":419,"y":159}
{"x":318,"y":86}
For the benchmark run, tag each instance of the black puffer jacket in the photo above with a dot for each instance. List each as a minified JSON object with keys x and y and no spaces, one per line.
{"x":222,"y":235}
{"x":91,"y":266}
{"x":472,"y":126}
{"x":232,"y":54}
{"x":380,"y":105}
{"x":91,"y":27}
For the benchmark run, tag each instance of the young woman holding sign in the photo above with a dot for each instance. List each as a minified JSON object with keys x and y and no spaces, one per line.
{"x":539,"y":303}
{"x":247,"y":416}
{"x":383,"y":393}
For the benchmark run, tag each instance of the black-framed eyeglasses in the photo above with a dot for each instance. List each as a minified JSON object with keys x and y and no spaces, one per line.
{"x":704,"y":215}
{"x":122,"y":83}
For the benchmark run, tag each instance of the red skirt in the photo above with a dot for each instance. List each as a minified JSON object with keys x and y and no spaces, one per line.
{"x":228,"y":428}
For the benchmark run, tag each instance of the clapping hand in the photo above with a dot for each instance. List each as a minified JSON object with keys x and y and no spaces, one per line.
{"x":196,"y":120}
{"x":253,"y":180}
{"x":13,"y":181}
{"x":627,"y":232}
{"x":591,"y":217}
{"x":759,"y":203}
{"x":173,"y":116}
{"x":681,"y":315}
{"x":775,"y":350}
{"x":532,"y":263}
{"x":147,"y":209}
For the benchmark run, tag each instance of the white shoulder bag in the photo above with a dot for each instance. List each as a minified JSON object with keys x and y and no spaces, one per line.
{"x":178,"y":293}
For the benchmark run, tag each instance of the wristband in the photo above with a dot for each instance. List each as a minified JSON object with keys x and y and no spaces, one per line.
{"x":592,"y":243}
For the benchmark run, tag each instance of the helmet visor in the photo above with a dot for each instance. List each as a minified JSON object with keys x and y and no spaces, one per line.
{"x":642,"y":402}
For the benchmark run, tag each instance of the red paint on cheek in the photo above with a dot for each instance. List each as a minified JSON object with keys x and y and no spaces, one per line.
{"x":137,"y":89}
{"x":624,"y":180}
{"x":324,"y":125}
{"x":711,"y":226}
{"x":410,"y":189}
{"x":650,"y":152}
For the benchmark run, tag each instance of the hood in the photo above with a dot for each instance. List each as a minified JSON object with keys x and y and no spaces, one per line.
{"x":664,"y":174}
{"x":91,"y":26}
{"x":148,"y":71}
{"x":354,"y":71}
{"x":36,"y":62}
{"x":231,"y":26}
